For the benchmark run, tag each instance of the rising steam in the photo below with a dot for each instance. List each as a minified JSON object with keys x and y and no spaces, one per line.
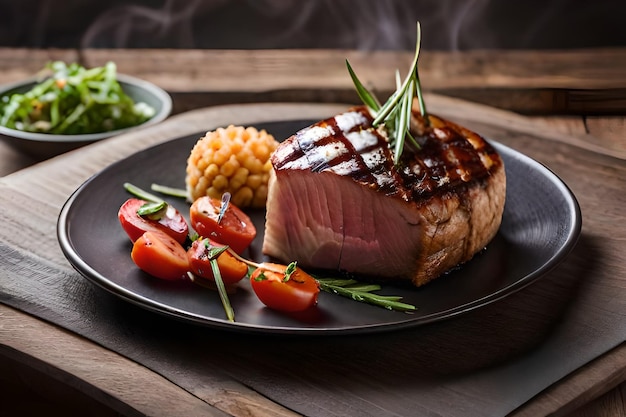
{"x":354,"y":24}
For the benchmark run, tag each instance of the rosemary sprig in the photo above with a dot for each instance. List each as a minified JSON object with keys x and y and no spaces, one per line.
{"x":171,"y":191}
{"x":213,"y":252}
{"x":346,"y":287}
{"x":395,"y":113}
{"x":363,"y":292}
{"x":365,"y":95}
{"x":221,"y":289}
{"x":139,"y":193}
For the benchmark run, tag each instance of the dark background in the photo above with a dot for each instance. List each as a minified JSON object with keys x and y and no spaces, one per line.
{"x":358,"y":24}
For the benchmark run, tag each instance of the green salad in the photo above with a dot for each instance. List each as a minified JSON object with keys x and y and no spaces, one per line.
{"x":73,"y":100}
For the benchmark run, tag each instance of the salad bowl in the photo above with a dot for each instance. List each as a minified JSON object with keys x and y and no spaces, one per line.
{"x":46,"y":145}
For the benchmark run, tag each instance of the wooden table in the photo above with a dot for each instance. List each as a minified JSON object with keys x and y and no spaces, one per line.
{"x":564,"y":108}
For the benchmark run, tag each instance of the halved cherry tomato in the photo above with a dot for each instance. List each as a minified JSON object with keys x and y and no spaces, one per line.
{"x":232,"y":270}
{"x":172,"y":222}
{"x":235,"y":229}
{"x":298,"y":292}
{"x":160,"y":255}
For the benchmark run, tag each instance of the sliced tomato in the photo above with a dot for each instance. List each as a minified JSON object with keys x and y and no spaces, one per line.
{"x":235,"y":228}
{"x":297,"y":292}
{"x":160,"y":255}
{"x":232,"y":270}
{"x":171,"y":222}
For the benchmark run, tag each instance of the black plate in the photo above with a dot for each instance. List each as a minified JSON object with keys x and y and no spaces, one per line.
{"x":540,"y":226}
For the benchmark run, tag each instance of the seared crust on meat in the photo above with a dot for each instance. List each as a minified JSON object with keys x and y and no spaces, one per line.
{"x":459,"y":225}
{"x":337,"y":201}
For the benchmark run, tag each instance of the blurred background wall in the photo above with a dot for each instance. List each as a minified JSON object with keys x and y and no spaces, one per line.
{"x":358,"y":24}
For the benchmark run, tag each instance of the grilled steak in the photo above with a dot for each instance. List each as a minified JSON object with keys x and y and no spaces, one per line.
{"x":337,"y":201}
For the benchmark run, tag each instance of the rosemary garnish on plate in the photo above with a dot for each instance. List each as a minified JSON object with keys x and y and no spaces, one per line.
{"x":363,"y":292}
{"x":395,"y":113}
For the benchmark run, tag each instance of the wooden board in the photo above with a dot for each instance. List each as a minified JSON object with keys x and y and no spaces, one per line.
{"x":582,"y":82}
{"x":580,"y":301}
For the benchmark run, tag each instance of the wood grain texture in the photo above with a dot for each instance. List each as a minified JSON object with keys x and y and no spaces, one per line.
{"x":112,"y":381}
{"x":17,"y":64}
{"x":74,"y":362}
{"x":513,"y":332}
{"x":525,"y":81}
{"x":580,"y":82}
{"x":610,"y":404}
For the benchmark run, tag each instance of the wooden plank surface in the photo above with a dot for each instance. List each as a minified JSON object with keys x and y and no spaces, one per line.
{"x":523,"y":81}
{"x":582,"y":82}
{"x":493,"y":121}
{"x":42,"y":380}
{"x":115,"y":383}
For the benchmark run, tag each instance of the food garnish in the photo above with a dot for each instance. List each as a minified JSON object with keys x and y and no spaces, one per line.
{"x":74,"y":100}
{"x":395,"y":113}
{"x":153,"y":211}
{"x":138,"y":216}
{"x":171,"y":191}
{"x":291,"y":268}
{"x":141,"y":193}
{"x":351,"y":288}
{"x":363,"y":292}
{"x":213,"y":253}
{"x":232,"y":269}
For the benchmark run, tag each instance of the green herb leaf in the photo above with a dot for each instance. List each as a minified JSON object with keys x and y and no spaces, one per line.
{"x":291,"y":268}
{"x":139,"y":193}
{"x":221,"y":289}
{"x":339,"y":282}
{"x":154,"y":211}
{"x":213,"y":252}
{"x":361,"y":292}
{"x":260,"y":277}
{"x":395,"y":113}
{"x":364,"y":94}
{"x":171,"y":191}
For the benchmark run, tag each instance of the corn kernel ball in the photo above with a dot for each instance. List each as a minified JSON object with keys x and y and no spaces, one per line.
{"x":233,"y":159}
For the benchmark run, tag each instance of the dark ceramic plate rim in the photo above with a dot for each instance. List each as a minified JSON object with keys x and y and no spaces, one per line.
{"x":571,"y":220}
{"x":161,"y":95}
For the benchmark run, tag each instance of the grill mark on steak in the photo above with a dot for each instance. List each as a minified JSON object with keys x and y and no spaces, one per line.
{"x":346,"y":145}
{"x":449,"y":155}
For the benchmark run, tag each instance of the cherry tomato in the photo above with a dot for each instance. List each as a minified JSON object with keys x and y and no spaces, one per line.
{"x":235,"y":229}
{"x":232,"y":270}
{"x":160,"y":255}
{"x":296,"y":293}
{"x":172,"y":222}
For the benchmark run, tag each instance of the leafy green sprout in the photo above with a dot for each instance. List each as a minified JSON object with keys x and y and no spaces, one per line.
{"x":395,"y":113}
